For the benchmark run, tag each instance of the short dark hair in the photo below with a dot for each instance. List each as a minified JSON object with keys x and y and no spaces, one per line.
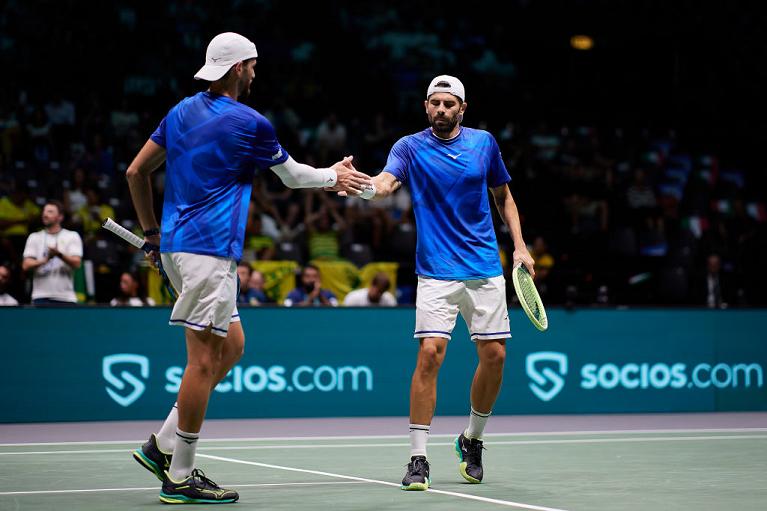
{"x":229,"y":71}
{"x":57,"y":203}
{"x":313,"y":267}
{"x":381,"y":281}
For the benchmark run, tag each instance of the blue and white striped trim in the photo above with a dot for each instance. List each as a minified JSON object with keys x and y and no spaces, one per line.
{"x":420,"y":334}
{"x":202,"y":327}
{"x":488,"y":334}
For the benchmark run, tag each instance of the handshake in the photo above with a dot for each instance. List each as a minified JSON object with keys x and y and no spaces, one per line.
{"x":350,"y":181}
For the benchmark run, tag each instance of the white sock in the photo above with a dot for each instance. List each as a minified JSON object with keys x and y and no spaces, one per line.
{"x":166,"y":437}
{"x":477,"y":422}
{"x":419,"y":435}
{"x":183,"y":456}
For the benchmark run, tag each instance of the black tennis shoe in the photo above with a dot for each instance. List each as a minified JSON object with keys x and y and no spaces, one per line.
{"x":195,"y":489}
{"x":417,"y":476}
{"x":152,"y":458}
{"x":469,"y":452}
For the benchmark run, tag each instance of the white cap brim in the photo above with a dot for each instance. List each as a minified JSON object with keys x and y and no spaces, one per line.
{"x":213,"y":72}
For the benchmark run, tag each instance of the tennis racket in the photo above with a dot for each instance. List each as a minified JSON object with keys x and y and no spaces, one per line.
{"x":529,"y":297}
{"x":115,"y":228}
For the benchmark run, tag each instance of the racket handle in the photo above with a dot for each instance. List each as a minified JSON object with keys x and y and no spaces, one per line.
{"x":122,"y":232}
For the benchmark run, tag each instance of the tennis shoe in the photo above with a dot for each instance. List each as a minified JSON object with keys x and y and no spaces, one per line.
{"x":195,"y":489}
{"x":417,"y":476}
{"x":152,"y":458}
{"x":469,"y":452}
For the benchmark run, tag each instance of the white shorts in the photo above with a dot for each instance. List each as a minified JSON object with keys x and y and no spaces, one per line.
{"x":207,"y":291}
{"x":481,"y":302}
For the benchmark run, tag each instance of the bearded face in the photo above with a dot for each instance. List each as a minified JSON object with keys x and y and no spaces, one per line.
{"x":445,"y":112}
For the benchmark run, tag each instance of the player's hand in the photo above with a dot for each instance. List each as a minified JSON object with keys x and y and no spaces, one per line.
{"x":521,"y":255}
{"x":53,"y":252}
{"x":350,"y":180}
{"x":316,"y":291}
{"x":153,"y":256}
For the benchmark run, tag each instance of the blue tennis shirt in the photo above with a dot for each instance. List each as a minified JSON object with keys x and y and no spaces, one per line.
{"x":214,"y":147}
{"x":448,"y":181}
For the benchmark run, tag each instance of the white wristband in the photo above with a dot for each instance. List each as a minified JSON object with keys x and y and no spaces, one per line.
{"x":330,"y":177}
{"x":368,"y":193}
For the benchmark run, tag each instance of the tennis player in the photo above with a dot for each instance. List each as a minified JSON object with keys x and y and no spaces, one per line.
{"x":449,"y":169}
{"x":212,"y":146}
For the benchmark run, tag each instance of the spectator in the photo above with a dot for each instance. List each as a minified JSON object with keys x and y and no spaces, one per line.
{"x":713,"y":288}
{"x":244,"y":272}
{"x":310,"y":291}
{"x":377,"y":294}
{"x":131,"y":294}
{"x":53,"y":253}
{"x":17,"y":211}
{"x":94,"y":212}
{"x":5,"y":277}
{"x":75,"y":196}
{"x":324,"y":235}
{"x":256,"y":294}
{"x":331,"y":139}
{"x":258,"y":244}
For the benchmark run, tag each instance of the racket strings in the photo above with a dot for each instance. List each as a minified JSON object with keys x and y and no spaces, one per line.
{"x":529,"y":294}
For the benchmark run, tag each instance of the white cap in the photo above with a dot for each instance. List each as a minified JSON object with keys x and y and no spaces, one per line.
{"x":224,"y":51}
{"x":447,"y":83}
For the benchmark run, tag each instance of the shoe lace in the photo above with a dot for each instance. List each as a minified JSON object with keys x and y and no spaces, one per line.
{"x":474,"y":448}
{"x":417,"y":466}
{"x":199,"y":475}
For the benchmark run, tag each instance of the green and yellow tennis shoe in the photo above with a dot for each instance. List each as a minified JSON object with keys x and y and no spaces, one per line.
{"x":417,"y":476}
{"x":195,"y":489}
{"x":152,"y":458}
{"x":469,"y":452}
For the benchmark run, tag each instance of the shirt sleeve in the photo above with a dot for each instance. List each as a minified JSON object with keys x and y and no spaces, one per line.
{"x":158,"y":137}
{"x":497,"y":174}
{"x":398,"y":162}
{"x":74,"y":246}
{"x":293,"y":298}
{"x":30,"y":248}
{"x":266,"y":148}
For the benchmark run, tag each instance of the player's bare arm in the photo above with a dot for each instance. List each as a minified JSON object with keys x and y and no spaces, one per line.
{"x":382,"y":185}
{"x":149,"y":158}
{"x":510,"y":215}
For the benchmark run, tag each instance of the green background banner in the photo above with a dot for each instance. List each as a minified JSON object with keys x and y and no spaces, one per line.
{"x":104,"y":364}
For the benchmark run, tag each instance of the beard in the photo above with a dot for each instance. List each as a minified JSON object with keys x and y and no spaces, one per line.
{"x":443,"y":125}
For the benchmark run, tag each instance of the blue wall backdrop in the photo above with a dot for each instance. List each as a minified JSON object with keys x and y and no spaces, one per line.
{"x":102,"y":364}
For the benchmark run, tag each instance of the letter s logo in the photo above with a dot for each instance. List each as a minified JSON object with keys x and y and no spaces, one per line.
{"x":125,"y":377}
{"x":546,"y":375}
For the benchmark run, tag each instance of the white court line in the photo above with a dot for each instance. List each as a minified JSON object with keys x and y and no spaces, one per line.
{"x":433,"y":444}
{"x":440,"y":435}
{"x":386,"y":483}
{"x":93,"y":490}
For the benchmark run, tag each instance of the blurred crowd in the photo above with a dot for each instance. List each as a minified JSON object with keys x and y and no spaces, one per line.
{"x":614,"y":214}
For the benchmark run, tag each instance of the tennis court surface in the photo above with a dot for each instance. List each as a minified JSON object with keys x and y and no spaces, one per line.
{"x":595,"y":463}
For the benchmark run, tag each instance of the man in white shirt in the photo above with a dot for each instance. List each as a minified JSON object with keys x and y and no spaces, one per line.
{"x":53,"y":253}
{"x":5,"y":277}
{"x":377,"y":294}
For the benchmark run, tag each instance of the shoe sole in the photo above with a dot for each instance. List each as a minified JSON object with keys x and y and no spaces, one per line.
{"x":462,"y":465}
{"x":181,"y":499}
{"x":148,"y":464}
{"x":416,"y":486}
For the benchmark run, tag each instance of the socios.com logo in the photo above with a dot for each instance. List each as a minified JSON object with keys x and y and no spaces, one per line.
{"x":126,"y":379}
{"x":539,"y":369}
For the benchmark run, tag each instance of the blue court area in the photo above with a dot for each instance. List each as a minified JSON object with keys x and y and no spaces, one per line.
{"x":649,"y":469}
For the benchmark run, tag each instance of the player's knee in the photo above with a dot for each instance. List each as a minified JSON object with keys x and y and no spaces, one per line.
{"x":494,"y":356}
{"x":430,"y":358}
